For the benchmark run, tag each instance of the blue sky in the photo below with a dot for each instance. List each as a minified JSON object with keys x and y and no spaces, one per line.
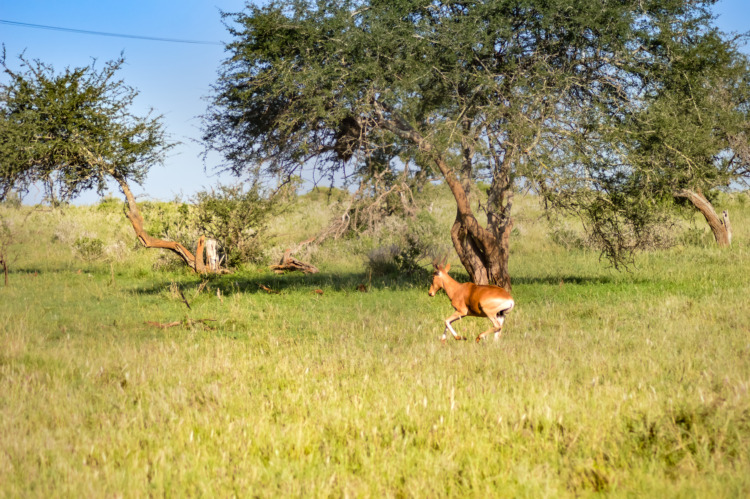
{"x":173,"y":78}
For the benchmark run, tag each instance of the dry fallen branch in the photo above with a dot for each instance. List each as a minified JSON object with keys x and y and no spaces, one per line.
{"x":185,"y":323}
{"x":202,"y":286}
{"x":291,"y":264}
{"x":164,"y":325}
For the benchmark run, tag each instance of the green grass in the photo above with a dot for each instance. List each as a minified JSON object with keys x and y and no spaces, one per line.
{"x":623,"y":383}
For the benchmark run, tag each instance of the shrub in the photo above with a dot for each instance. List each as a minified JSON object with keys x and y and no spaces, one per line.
{"x":89,"y":248}
{"x":237,"y":218}
{"x":567,"y":238}
{"x":695,"y":236}
{"x":12,"y":200}
{"x":382,"y":260}
{"x":109,"y":204}
{"x":172,"y":221}
{"x":421,"y":240}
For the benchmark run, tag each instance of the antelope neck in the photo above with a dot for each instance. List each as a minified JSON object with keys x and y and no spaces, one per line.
{"x":450,"y":285}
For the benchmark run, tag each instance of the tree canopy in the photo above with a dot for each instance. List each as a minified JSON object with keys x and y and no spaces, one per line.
{"x":553,"y":95}
{"x":71,"y":130}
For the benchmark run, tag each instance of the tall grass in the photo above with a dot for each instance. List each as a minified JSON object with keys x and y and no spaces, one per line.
{"x":626,"y":383}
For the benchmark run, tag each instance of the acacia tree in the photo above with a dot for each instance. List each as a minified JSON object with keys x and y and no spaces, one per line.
{"x":71,"y":131}
{"x":512,"y":92}
{"x":694,"y":134}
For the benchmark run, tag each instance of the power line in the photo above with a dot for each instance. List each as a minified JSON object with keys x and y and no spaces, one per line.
{"x":103,"y":33}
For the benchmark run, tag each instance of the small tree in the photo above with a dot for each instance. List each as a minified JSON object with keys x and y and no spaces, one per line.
{"x":693,"y":136}
{"x":73,"y":130}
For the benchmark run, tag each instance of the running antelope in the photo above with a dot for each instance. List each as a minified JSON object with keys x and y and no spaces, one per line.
{"x":470,"y":299}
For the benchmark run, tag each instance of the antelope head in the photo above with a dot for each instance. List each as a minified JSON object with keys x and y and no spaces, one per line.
{"x":441,"y":270}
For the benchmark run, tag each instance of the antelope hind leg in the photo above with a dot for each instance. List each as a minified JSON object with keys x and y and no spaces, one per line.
{"x":501,"y":320}
{"x":497,"y":326}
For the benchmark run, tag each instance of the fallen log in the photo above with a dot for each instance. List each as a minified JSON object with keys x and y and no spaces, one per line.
{"x":290,"y":264}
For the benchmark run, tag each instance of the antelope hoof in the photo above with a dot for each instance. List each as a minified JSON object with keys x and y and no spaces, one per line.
{"x":479,"y":338}
{"x":461,"y":338}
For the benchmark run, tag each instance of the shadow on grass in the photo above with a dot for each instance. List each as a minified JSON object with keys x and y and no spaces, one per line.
{"x":565,"y":279}
{"x":265,"y":282}
{"x":248,"y":282}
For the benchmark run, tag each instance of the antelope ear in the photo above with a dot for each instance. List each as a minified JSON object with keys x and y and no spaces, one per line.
{"x":447,"y":267}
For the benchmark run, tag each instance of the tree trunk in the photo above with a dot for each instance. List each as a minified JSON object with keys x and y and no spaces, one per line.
{"x":136,"y":220}
{"x":720,"y":227}
{"x":485,"y":260}
{"x":483,"y":252}
{"x":199,"y":265}
{"x":5,"y":268}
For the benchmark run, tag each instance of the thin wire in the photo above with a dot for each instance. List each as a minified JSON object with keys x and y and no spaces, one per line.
{"x":102,"y":33}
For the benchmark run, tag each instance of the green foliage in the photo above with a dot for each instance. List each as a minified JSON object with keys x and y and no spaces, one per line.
{"x":110,"y":204}
{"x":89,"y":248}
{"x":237,"y":217}
{"x":12,"y":200}
{"x":6,"y":239}
{"x":381,"y":261}
{"x":567,"y":238}
{"x":71,"y":130}
{"x":420,"y":242}
{"x":695,"y":236}
{"x":693,"y":132}
{"x":170,"y":220}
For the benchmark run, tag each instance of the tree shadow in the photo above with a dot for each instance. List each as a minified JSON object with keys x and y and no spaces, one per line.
{"x":328,"y":281}
{"x":269,"y":283}
{"x":565,"y":279}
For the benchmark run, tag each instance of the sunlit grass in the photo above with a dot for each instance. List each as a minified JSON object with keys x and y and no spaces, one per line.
{"x":628,"y":383}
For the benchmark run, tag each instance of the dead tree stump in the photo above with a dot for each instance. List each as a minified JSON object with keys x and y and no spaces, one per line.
{"x":212,"y":255}
{"x":290,"y":264}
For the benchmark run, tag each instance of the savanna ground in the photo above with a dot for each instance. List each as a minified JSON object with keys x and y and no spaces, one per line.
{"x":628,"y":383}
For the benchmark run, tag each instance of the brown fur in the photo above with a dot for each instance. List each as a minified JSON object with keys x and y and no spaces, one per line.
{"x":473,"y":300}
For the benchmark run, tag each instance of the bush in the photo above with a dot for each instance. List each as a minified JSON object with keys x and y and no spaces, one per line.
{"x":109,"y":204}
{"x":421,"y":241}
{"x":89,"y":248}
{"x":12,"y":200}
{"x":382,"y":260}
{"x":695,"y":236}
{"x":237,"y":219}
{"x":567,"y":238}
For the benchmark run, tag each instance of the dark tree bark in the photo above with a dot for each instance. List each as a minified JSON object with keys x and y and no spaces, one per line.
{"x":721,"y":228}
{"x":484,"y":252}
{"x":5,"y":268}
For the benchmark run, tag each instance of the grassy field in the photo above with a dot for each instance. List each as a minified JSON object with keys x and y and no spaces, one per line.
{"x":627,"y":383}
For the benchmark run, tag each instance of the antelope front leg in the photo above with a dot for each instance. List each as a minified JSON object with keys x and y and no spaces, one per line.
{"x":457,"y":315}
